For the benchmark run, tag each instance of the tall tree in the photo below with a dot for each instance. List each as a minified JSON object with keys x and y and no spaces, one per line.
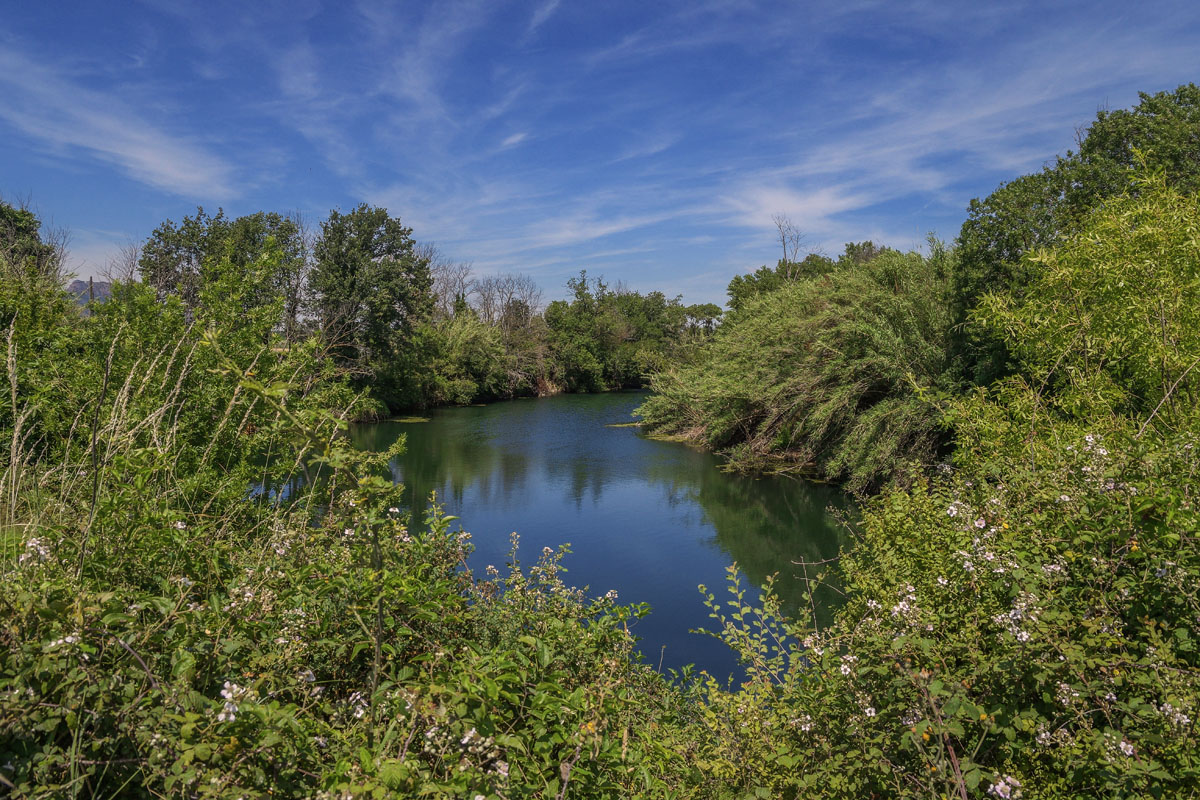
{"x":172,"y":259}
{"x":371,"y":291}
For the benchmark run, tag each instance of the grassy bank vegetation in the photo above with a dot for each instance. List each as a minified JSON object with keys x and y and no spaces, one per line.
{"x":1021,"y":621}
{"x":829,"y":371}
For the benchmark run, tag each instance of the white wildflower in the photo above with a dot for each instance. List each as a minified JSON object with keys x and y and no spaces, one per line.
{"x":36,"y":550}
{"x":1005,"y":787}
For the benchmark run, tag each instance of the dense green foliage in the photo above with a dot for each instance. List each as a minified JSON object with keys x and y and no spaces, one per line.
{"x":1044,"y":208}
{"x":1031,"y":617}
{"x":604,"y":339}
{"x":823,"y":370}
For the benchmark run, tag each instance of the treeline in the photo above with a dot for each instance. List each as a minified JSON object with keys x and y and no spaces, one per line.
{"x":408,"y":325}
{"x":844,"y":369}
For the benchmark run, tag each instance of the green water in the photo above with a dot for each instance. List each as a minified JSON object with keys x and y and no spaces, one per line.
{"x":650,"y":519}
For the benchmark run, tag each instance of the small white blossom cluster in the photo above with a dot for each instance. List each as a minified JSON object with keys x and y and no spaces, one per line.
{"x":231,"y":693}
{"x":72,"y":639}
{"x":847,"y":666}
{"x":981,"y":555}
{"x":1092,"y":472}
{"x":356,"y":705}
{"x":1005,"y":787}
{"x":1024,"y":610}
{"x":1065,"y":694}
{"x":471,"y":748}
{"x":1053,"y":568}
{"x":812,"y":644}
{"x":906,"y":608}
{"x":245,"y":595}
{"x":240,"y":596}
{"x":294,"y":623}
{"x":1175,"y":715}
{"x":1115,"y":744}
{"x":36,"y":551}
{"x":804,"y":723}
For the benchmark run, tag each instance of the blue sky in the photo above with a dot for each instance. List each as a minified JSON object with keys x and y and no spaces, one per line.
{"x":650,"y":142}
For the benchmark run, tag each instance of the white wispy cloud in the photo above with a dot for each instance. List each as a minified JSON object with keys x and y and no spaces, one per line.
{"x":541,"y":14}
{"x":58,"y":113}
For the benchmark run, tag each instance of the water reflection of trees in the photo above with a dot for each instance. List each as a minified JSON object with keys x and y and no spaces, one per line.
{"x":765,"y":525}
{"x":494,"y":450}
{"x":447,"y":457}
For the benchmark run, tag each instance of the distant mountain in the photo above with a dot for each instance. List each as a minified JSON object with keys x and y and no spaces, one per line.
{"x":101,"y":290}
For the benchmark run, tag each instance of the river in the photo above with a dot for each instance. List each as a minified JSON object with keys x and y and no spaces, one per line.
{"x":650,"y":519}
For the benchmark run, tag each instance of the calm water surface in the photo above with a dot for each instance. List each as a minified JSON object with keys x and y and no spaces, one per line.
{"x":649,"y":519}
